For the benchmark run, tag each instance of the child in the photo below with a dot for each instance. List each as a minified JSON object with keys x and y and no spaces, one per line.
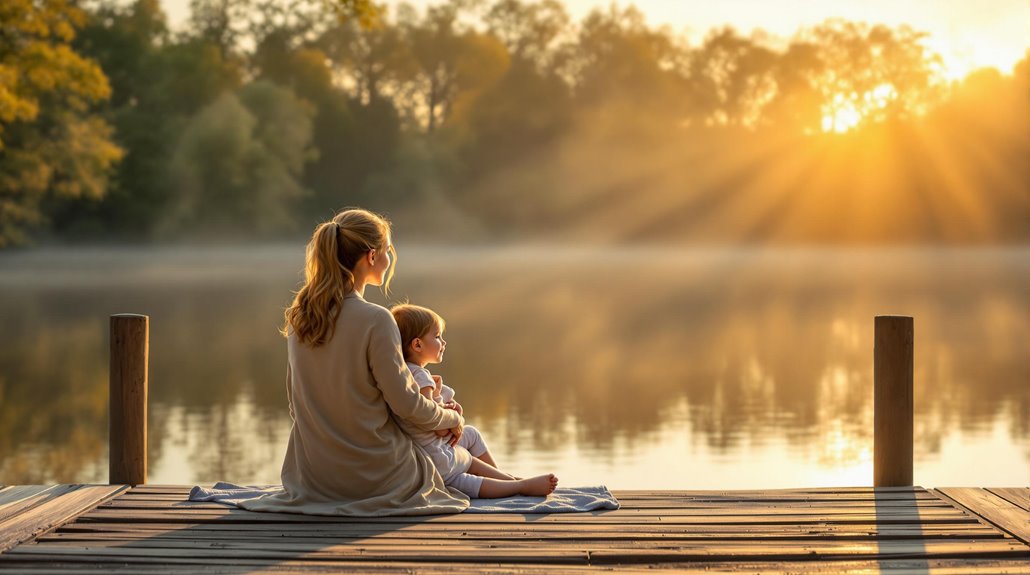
{"x":467,"y":466}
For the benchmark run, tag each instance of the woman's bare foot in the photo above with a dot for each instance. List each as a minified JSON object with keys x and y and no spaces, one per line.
{"x":541,"y":485}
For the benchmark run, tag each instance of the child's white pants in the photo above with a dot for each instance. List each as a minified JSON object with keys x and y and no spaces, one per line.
{"x":467,"y":483}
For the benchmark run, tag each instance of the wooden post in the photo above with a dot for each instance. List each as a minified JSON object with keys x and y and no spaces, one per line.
{"x":892,"y":401}
{"x":130,"y":348}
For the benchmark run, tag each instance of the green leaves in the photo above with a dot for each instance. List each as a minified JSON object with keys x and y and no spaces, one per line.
{"x":238,"y":164}
{"x":50,"y":144}
{"x":264,"y":112}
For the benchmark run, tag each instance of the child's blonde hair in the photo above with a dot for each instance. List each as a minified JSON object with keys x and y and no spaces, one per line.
{"x":414,"y":322}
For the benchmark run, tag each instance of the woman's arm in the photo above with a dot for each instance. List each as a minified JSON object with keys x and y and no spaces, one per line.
{"x":395,"y":381}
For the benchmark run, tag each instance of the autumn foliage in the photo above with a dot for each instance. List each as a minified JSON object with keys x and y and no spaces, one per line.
{"x":496,"y":120}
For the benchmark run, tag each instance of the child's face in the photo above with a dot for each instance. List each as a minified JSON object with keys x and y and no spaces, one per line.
{"x":430,"y":347}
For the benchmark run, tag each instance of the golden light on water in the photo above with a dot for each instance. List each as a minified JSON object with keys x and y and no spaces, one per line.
{"x":738,"y":370}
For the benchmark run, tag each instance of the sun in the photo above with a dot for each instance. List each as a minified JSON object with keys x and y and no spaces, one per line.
{"x":841,"y":117}
{"x":845,"y":112}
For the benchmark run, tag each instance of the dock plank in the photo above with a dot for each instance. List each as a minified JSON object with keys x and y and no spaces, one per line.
{"x":1018,"y":496}
{"x":821,"y":494}
{"x":584,"y":531}
{"x":533,"y":552}
{"x":939,"y":509}
{"x":261,"y":567}
{"x":138,"y":503}
{"x":14,"y":493}
{"x":21,"y":498}
{"x":52,"y":511}
{"x":995,"y":509}
{"x":611,"y":517}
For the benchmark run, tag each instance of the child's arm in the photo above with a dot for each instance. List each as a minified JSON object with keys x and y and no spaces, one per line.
{"x":430,"y":392}
{"x":428,"y":387}
{"x":445,"y":395}
{"x":438,"y":390}
{"x":433,"y":392}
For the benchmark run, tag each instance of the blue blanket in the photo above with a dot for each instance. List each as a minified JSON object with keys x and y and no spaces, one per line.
{"x":563,"y":500}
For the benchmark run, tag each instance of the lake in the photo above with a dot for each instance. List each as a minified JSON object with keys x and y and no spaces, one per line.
{"x":635,"y":367}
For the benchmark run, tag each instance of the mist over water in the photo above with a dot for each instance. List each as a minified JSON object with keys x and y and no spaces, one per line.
{"x":637,"y":367}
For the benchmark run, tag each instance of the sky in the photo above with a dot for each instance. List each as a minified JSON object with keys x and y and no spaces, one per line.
{"x":968,"y":34}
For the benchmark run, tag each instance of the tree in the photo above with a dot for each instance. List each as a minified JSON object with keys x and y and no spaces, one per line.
{"x":796,"y":106}
{"x":128,"y":42}
{"x":504,"y":127}
{"x":220,"y":23}
{"x":279,"y":29}
{"x":52,"y":145}
{"x":620,"y":65}
{"x":238,"y":165}
{"x":731,"y":79}
{"x":530,"y":31}
{"x":454,"y":64}
{"x":873,"y":72}
{"x":370,"y":57}
{"x":159,"y":82}
{"x":365,"y":12}
{"x":353,"y":136}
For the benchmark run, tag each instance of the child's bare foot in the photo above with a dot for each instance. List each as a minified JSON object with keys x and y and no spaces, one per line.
{"x":541,"y":485}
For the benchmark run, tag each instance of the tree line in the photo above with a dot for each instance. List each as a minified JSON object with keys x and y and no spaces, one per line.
{"x":494,"y":119}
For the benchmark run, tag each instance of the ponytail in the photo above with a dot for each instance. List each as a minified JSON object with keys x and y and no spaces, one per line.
{"x":334,"y":250}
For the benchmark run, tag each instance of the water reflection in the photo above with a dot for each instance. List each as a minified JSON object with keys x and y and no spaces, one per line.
{"x":745,"y":367}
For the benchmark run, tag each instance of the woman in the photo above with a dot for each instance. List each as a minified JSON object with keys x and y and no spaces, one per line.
{"x":345,"y":374}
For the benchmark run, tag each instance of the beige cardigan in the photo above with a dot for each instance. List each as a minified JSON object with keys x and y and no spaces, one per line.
{"x":346,"y":454}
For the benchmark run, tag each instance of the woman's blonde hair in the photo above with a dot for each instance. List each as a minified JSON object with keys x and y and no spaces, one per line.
{"x":334,"y":250}
{"x":414,"y":322}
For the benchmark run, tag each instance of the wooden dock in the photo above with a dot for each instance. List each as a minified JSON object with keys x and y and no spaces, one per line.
{"x":153,"y":529}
